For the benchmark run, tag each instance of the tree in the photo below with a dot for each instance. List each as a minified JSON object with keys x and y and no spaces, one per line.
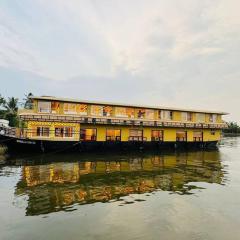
{"x":28,"y":101}
{"x":10,"y":113}
{"x":232,"y":128}
{"x":2,"y":100}
{"x":2,"y":103}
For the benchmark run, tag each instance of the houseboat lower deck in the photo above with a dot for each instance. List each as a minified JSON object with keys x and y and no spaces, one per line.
{"x":19,"y":142}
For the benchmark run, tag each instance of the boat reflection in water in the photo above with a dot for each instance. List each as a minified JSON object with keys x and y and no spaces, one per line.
{"x":57,"y":185}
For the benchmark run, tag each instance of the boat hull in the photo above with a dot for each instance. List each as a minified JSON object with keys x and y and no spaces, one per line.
{"x":30,"y":145}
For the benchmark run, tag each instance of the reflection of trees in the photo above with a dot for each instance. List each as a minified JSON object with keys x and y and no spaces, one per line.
{"x":58,"y":185}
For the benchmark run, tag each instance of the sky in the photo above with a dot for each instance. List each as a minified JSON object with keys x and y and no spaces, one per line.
{"x":154,"y":52}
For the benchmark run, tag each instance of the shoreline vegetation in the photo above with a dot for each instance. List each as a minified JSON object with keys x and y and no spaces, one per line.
{"x":9,"y":108}
{"x":233,"y":129}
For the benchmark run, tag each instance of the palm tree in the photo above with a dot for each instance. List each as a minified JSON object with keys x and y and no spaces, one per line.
{"x":2,"y":103}
{"x":11,"y":107}
{"x":28,"y":101}
{"x":2,"y":100}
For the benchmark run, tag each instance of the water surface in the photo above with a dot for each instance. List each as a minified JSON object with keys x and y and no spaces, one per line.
{"x":171,"y":195}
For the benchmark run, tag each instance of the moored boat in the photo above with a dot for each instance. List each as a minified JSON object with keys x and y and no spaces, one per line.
{"x":58,"y":124}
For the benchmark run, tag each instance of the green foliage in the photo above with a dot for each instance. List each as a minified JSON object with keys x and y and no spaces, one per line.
{"x":9,"y":110}
{"x":28,"y":103}
{"x":2,"y":101}
{"x":232,"y":128}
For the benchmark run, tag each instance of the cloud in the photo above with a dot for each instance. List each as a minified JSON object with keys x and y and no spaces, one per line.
{"x":179,"y":53}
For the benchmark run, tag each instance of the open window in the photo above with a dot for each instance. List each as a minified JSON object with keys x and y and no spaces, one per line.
{"x":88,"y":134}
{"x":197,"y":136}
{"x":136,"y":135}
{"x":113,"y":135}
{"x":157,"y":135}
{"x":181,"y":136}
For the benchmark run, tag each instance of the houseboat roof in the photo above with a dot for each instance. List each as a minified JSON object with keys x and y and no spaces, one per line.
{"x":52,"y":98}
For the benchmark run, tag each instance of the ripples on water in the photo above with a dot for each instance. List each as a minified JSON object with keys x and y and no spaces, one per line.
{"x":178,"y":195}
{"x":57,"y":182}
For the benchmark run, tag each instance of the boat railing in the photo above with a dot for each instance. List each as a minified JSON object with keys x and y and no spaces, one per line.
{"x":8,"y":131}
{"x":120,"y":121}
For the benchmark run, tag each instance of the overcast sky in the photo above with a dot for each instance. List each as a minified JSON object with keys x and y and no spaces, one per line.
{"x":165,"y":52}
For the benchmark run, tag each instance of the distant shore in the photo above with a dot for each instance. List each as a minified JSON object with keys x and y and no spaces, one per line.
{"x":231,"y":134}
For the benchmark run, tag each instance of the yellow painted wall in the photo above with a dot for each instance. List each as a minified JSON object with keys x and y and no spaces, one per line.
{"x":169,"y":133}
{"x":190,"y":135}
{"x":207,"y":116}
{"x":35,"y":106}
{"x":207,"y":136}
{"x":219,"y":118}
{"x":194,"y":117}
{"x":32,"y":126}
{"x":177,"y":116}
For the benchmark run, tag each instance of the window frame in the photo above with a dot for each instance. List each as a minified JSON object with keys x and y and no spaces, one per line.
{"x":41,"y":131}
{"x":93,"y":137}
{"x":157,"y":139}
{"x":63,"y":132}
{"x":137,"y":138}
{"x":46,"y":110}
{"x":184,"y":139}
{"x":198,"y":139}
{"x":69,"y":112}
{"x":116,"y":138}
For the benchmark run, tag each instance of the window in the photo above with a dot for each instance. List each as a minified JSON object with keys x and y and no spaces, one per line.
{"x":213,"y":118}
{"x":149,"y":114}
{"x":136,"y":135}
{"x":68,"y":132}
{"x":55,"y":106}
{"x":69,"y":108}
{"x":82,"y":109}
{"x":124,"y":112}
{"x":186,"y":116}
{"x":44,"y":107}
{"x":197,"y":136}
{"x":107,"y":111}
{"x":96,"y":110}
{"x":141,"y":113}
{"x":165,"y":115}
{"x":88,"y":134}
{"x":113,"y":135}
{"x":157,"y":135}
{"x":43,"y":131}
{"x":64,"y":132}
{"x":181,"y":136}
{"x":212,"y":132}
{"x":200,"y":117}
{"x":189,"y":117}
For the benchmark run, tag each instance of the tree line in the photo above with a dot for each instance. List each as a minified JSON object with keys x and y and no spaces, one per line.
{"x":233,"y":127}
{"x":9,"y":108}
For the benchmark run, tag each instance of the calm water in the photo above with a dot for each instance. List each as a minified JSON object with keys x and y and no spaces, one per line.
{"x":182,"y":195}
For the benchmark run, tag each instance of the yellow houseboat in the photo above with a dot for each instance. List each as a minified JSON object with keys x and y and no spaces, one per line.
{"x":59,"y":123}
